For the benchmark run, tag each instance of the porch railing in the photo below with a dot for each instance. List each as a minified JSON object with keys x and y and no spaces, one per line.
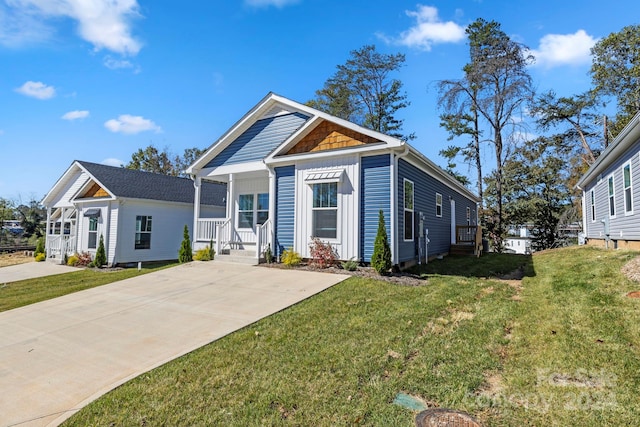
{"x":263,"y":237}
{"x":470,"y":235}
{"x":223,"y":234}
{"x":58,"y":246}
{"x":207,"y":228}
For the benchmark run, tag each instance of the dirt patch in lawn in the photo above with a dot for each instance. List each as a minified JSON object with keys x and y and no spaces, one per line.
{"x":14,"y":259}
{"x":632,"y":269}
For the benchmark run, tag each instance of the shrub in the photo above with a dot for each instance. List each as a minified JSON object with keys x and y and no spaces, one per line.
{"x":350,"y":265}
{"x":84,"y":259}
{"x":322,"y":254}
{"x":268,"y":255}
{"x":39,"y":246}
{"x":40,"y":257}
{"x":204,"y":254}
{"x":101,"y":256}
{"x":185,"y":254}
{"x":72,"y":261}
{"x":381,"y":258}
{"x":290,"y":258}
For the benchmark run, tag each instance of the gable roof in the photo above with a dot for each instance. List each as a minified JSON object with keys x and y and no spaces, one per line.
{"x":625,"y":139}
{"x":121,"y":182}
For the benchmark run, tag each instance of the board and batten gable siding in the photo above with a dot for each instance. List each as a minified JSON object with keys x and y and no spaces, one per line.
{"x":346,"y":244}
{"x":375,"y":190}
{"x":624,"y":226}
{"x":167,"y":224}
{"x":259,"y":140}
{"x":285,"y":208}
{"x":425,"y":189}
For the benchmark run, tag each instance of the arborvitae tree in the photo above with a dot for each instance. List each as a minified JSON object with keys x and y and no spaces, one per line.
{"x":185,"y":254}
{"x":101,"y":255}
{"x":381,"y":258}
{"x":39,"y":247}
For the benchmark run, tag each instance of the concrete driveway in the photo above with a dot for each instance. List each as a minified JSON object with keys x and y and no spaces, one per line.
{"x":31,"y":270}
{"x":58,"y":355}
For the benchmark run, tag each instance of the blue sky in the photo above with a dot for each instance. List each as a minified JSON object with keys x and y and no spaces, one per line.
{"x":95,"y":80}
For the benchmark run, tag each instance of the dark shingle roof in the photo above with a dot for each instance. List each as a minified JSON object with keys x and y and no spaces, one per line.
{"x":137,"y":184}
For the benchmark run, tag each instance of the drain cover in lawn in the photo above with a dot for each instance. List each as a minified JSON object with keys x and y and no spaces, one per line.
{"x":441,"y":417}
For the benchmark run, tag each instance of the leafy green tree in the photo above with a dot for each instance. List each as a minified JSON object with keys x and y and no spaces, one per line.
{"x":190,"y":155}
{"x":40,"y":249}
{"x":615,"y":72}
{"x":101,"y":255}
{"x":152,"y":160}
{"x":362,"y":91}
{"x":381,"y":258}
{"x":32,"y":216}
{"x":7,"y":212}
{"x":185,"y":254}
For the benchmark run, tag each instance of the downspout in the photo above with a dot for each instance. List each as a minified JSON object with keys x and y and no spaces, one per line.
{"x":394,"y":205}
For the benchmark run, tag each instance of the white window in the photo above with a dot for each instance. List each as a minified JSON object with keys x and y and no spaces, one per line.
{"x":612,"y":197}
{"x":593,"y":205}
{"x":262,"y":208}
{"x":143,"y":232}
{"x":325,"y":210}
{"x":628,"y":191}
{"x":408,"y":209}
{"x":253,"y":209}
{"x":468,"y":215}
{"x":438,"y":205}
{"x":93,"y":232}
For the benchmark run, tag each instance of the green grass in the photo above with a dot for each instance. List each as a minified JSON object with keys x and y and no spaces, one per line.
{"x":24,"y":292}
{"x":562,"y":349}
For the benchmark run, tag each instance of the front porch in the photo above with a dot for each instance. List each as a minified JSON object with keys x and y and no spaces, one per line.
{"x":61,"y":233}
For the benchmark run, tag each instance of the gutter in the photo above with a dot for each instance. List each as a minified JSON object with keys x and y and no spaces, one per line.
{"x":394,"y":204}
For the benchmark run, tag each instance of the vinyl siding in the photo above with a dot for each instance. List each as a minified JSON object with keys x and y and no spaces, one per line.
{"x":71,"y":187}
{"x":259,"y":140}
{"x":375,"y":190}
{"x":624,"y":226}
{"x":425,"y":189}
{"x":285,"y":208}
{"x":347,"y":242}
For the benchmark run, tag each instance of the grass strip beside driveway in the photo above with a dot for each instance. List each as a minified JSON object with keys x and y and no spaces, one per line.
{"x":24,"y":292}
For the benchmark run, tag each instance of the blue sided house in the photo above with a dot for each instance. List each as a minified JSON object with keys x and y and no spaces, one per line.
{"x":294,"y":173}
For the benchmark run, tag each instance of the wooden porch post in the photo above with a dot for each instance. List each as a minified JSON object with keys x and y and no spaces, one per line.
{"x":197,"y":183}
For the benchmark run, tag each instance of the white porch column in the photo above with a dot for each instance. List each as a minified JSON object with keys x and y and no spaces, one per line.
{"x":63,"y":246}
{"x":231,"y":212}
{"x":47,"y":233}
{"x":197,"y":183}
{"x":272,"y":208}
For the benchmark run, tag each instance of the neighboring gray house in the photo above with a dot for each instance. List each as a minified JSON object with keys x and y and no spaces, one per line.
{"x":141,"y":215}
{"x":611,"y":192}
{"x":294,"y":173}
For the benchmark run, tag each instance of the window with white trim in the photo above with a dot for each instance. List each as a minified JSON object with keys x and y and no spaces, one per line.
{"x":262,"y":208}
{"x":93,"y":233}
{"x":628,"y":191}
{"x":592,"y":198}
{"x":612,"y":197}
{"x":143,"y":232}
{"x":325,"y":210}
{"x":408,"y":209}
{"x":468,"y":215}
{"x":438,"y":205}
{"x":245,"y":211}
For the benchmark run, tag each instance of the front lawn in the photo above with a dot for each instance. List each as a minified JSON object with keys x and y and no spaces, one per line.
{"x":24,"y":292}
{"x":559,"y":348}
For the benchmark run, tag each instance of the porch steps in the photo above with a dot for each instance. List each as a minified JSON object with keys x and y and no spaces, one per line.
{"x":463,"y":249}
{"x":239,"y":256}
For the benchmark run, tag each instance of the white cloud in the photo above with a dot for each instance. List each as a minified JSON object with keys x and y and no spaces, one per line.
{"x":428,"y":30}
{"x":112,"y":161}
{"x":106,"y":24}
{"x":75,"y":115}
{"x":131,"y":124}
{"x":119,"y":64}
{"x":37,"y":90}
{"x":564,"y":49}
{"x":266,"y":3}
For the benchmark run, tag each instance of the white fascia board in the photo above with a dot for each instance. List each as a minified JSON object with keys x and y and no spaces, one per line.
{"x":427,"y":165}
{"x":369,"y":149}
{"x":290,"y":142}
{"x":65,"y":176}
{"x":94,"y":179}
{"x":236,"y":168}
{"x":627,"y":137}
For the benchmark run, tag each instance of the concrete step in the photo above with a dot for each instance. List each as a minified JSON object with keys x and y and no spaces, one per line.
{"x":238,"y":259}
{"x":461,"y":250}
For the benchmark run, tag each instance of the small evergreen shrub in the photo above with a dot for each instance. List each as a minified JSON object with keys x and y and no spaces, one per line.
{"x":101,"y":256}
{"x":268,"y":255}
{"x":381,"y":258}
{"x":350,"y":265}
{"x":39,"y":247}
{"x":322,"y":254}
{"x":72,"y":261}
{"x":185,"y":254}
{"x":84,"y":259}
{"x":40,"y":257}
{"x":290,"y":258}
{"x":204,"y":254}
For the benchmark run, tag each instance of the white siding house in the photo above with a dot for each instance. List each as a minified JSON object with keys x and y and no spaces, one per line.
{"x":140,"y":215}
{"x":611,"y":192}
